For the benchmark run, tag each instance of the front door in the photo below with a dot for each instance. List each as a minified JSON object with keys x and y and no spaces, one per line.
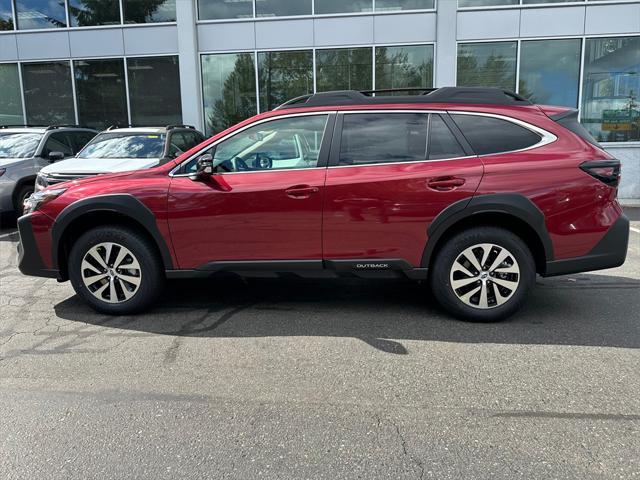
{"x":390,"y":175}
{"x":264,"y":200}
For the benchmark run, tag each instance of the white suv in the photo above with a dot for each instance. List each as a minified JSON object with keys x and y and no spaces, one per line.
{"x":122,"y":149}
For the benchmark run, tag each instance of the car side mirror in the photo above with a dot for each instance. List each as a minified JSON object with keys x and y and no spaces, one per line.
{"x":55,"y":156}
{"x":204,"y":166}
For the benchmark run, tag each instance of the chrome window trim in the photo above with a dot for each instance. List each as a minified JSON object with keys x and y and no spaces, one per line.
{"x":235,"y":132}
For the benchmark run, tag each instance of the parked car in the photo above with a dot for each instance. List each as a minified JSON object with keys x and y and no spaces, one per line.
{"x":122,"y":149}
{"x":24,"y":150}
{"x":474,"y":190}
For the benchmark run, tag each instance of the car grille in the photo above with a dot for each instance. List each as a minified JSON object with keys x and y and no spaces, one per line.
{"x":53,"y":178}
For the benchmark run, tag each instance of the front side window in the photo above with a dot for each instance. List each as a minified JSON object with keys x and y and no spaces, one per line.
{"x":285,"y":143}
{"x":611,"y":89}
{"x":488,"y":135}
{"x":19,"y":145}
{"x":487,"y":64}
{"x":369,"y":138}
{"x":125,"y":145}
{"x":57,"y":142}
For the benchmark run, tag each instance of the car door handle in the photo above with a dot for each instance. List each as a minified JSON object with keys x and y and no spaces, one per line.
{"x":445,"y":183}
{"x":301,"y":191}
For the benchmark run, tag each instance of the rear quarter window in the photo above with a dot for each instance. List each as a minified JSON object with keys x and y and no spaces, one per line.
{"x":489,"y":135}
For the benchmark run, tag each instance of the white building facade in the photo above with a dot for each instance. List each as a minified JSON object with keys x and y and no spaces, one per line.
{"x":211,"y":63}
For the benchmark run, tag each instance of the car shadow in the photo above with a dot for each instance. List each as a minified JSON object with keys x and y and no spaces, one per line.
{"x":582,"y":310}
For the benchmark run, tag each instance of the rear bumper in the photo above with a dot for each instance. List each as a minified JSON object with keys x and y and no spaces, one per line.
{"x":610,"y":252}
{"x":29,"y":258}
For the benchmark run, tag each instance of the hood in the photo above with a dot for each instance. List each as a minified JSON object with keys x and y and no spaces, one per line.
{"x":91,"y":166}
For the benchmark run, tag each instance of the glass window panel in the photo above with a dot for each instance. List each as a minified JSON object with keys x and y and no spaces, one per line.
{"x":100,"y":89}
{"x":343,"y":6}
{"x":34,"y":14}
{"x":154,"y":90}
{"x":389,"y":5}
{"x":382,"y":138}
{"x":219,"y":9}
{"x":10,"y":100}
{"x":442,"y":142}
{"x":550,"y":71}
{"x":6,"y":15}
{"x":149,"y":11}
{"x":283,"y":76}
{"x":48,"y":94}
{"x":487,"y":65}
{"x":344,"y":69}
{"x":404,"y":67}
{"x":486,"y":3}
{"x":278,"y":144}
{"x":611,"y":84}
{"x":229,"y":89}
{"x":85,"y":13}
{"x":529,"y":2}
{"x":488,"y":135}
{"x":282,"y":8}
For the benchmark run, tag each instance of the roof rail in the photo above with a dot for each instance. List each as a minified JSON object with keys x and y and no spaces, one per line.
{"x":478,"y":95}
{"x":171,"y":127}
{"x":55,"y":127}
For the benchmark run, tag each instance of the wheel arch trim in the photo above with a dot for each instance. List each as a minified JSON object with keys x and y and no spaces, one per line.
{"x":122,"y":204}
{"x":511,"y":204}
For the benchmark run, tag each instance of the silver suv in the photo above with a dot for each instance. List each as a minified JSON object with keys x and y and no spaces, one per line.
{"x":24,"y":150}
{"x":123,"y":149}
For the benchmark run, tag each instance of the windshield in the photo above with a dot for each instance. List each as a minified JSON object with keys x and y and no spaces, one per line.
{"x":123,"y":145}
{"x":19,"y":145}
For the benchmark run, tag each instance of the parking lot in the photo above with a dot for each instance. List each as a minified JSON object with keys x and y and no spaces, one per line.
{"x":320,"y":379}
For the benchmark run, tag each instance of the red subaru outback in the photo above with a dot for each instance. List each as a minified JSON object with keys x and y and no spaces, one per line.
{"x":475,"y":189}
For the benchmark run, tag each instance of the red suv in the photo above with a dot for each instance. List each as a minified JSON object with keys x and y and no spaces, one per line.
{"x":475,"y":190}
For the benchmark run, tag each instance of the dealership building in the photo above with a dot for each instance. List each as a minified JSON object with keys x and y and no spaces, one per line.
{"x":211,"y":63}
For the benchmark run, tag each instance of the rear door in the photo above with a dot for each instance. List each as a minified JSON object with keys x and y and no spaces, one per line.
{"x":391,"y":173}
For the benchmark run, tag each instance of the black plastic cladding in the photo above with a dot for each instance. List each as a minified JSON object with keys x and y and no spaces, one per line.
{"x":477,"y":95}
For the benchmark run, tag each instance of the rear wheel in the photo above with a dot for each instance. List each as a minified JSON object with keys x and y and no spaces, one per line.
{"x":483,"y":274}
{"x":115,"y":270}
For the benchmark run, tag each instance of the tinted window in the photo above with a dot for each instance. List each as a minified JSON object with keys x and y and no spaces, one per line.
{"x":19,"y":145}
{"x":6,"y":15}
{"x":154,"y":90}
{"x":492,"y":135}
{"x":283,"y":76}
{"x":342,"y":6}
{"x":32,"y":14}
{"x":280,"y":8}
{"x":80,"y":139}
{"x":185,"y":140}
{"x":48,"y":93}
{"x":10,"y":98}
{"x":150,"y":11}
{"x":122,"y":145}
{"x":344,"y":69}
{"x":376,"y":138}
{"x":442,"y":143}
{"x":57,"y":142}
{"x":215,"y":9}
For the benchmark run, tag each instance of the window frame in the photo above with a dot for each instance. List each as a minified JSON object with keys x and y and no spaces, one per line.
{"x":323,"y":155}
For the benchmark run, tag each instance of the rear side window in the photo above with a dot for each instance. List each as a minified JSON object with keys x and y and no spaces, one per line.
{"x":489,"y":135}
{"x":369,"y":138}
{"x":442,"y":142}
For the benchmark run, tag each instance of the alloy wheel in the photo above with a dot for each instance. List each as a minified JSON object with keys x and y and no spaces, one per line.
{"x":111,"y":272}
{"x":485,"y":276}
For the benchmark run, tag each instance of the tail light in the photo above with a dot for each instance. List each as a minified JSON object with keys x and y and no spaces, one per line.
{"x":607,"y":171}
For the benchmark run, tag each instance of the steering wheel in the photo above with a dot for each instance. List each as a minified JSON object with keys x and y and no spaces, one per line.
{"x":241,"y":165}
{"x":262,"y":162}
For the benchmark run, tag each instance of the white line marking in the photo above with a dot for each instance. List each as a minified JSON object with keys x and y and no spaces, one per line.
{"x":635,"y":230}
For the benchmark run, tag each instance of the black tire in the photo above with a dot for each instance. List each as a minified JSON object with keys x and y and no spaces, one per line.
{"x":20,"y":195}
{"x":440,"y":275}
{"x":152,"y":274}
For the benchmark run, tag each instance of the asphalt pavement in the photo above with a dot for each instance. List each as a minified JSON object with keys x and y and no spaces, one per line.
{"x":340,"y":379}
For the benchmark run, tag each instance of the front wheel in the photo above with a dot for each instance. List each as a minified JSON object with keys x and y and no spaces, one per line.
{"x":116,"y":270}
{"x":483,"y":274}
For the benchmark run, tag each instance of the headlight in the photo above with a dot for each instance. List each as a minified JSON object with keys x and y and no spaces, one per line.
{"x":38,"y":199}
{"x":41,"y":182}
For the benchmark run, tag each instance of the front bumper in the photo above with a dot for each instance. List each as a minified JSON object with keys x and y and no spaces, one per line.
{"x":610,"y":252}
{"x":29,"y":259}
